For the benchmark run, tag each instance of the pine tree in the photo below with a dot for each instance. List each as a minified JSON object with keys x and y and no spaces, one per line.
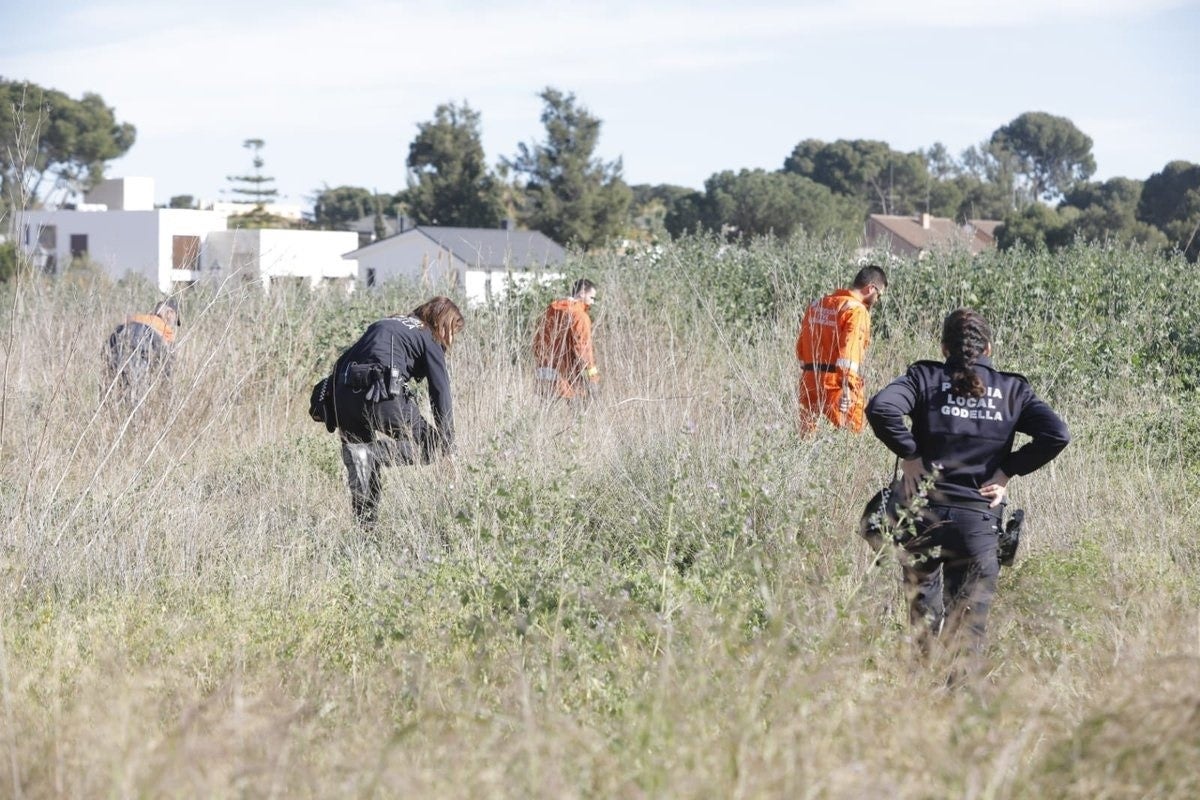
{"x":255,"y":190}
{"x":567,"y":193}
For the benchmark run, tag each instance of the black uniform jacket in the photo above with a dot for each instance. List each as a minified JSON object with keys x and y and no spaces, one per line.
{"x":407,"y":344}
{"x":966,"y":439}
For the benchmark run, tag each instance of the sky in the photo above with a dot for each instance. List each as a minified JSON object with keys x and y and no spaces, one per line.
{"x":684,"y":89}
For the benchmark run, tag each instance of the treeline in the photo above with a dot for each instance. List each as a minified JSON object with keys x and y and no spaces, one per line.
{"x":1033,"y":173}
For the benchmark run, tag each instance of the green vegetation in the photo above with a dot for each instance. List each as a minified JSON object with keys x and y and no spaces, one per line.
{"x":52,"y":144}
{"x":565,"y":191}
{"x":661,"y":596}
{"x":450,"y":182}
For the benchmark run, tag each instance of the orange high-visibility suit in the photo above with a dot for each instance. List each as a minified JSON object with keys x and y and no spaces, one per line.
{"x":562,"y":349}
{"x":833,"y":339}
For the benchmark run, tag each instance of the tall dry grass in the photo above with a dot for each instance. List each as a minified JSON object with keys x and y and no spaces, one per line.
{"x":660,"y":595}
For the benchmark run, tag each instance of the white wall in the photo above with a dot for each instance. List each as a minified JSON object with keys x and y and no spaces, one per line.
{"x":121,"y":242}
{"x":483,"y":286}
{"x":411,"y":255}
{"x":313,"y":255}
{"x":269,"y":253}
{"x":124,"y":194}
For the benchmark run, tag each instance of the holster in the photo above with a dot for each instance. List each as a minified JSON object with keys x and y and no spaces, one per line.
{"x":375,"y":379}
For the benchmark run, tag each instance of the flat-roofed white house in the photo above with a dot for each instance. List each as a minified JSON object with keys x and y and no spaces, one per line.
{"x":483,"y":263}
{"x":280,"y":256}
{"x":119,"y":230}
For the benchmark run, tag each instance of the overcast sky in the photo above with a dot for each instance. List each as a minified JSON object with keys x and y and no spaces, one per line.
{"x":684,"y":89}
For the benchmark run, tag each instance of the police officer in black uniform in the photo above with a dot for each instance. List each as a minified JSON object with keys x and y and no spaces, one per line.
{"x":965,"y":414}
{"x":370,"y":402}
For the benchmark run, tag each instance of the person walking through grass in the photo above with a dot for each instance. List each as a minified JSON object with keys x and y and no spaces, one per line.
{"x":565,"y":362}
{"x":140,"y":352}
{"x":832,"y":343}
{"x":959,"y":455}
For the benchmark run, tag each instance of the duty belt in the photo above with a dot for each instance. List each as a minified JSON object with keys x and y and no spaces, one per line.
{"x":370,"y":377}
{"x":842,"y":363}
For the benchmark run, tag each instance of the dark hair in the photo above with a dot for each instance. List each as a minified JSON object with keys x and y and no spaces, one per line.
{"x":581,"y":285}
{"x":872,"y":273}
{"x":166,"y":305}
{"x":443,"y":318}
{"x":965,"y":335}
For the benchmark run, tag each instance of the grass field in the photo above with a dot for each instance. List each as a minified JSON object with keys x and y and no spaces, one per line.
{"x":660,"y":595}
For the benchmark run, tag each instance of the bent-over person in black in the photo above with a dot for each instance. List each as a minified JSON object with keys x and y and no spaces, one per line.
{"x":372,"y":406}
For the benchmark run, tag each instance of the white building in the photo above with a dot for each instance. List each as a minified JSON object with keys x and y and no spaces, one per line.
{"x":274,"y":256}
{"x":481,"y":262}
{"x":119,"y":230}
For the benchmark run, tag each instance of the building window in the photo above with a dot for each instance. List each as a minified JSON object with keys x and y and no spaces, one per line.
{"x":79,"y":245}
{"x":185,"y":252}
{"x":47,"y":249}
{"x":370,"y":276}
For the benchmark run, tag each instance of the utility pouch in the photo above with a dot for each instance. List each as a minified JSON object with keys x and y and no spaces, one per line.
{"x":357,"y":377}
{"x":1010,"y":538}
{"x":879,"y":519}
{"x":320,"y":403}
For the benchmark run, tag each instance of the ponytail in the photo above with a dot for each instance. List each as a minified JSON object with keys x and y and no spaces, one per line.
{"x":965,"y":336}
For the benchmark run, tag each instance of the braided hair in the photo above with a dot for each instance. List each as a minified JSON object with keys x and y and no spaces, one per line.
{"x":966,"y":336}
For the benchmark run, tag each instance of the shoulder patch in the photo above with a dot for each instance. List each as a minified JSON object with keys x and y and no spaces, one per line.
{"x":412,"y":323}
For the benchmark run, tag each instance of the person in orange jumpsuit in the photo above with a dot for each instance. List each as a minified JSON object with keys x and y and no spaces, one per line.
{"x":833,"y":340}
{"x":140,"y":352}
{"x":562,"y":346}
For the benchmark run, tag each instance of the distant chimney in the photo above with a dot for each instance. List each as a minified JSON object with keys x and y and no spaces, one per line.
{"x":926,"y":220}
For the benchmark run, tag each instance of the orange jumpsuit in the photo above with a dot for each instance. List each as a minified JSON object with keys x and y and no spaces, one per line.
{"x":156,"y":322}
{"x":562,"y":349}
{"x":833,"y":339}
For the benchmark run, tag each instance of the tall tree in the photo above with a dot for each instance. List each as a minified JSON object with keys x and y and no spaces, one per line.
{"x":1037,"y":226}
{"x":887,"y":181}
{"x":651,"y":205}
{"x":1108,"y":213}
{"x":1171,"y":202}
{"x":450,"y":183}
{"x":336,"y":208}
{"x":568,"y":193}
{"x":255,"y":190}
{"x":1052,"y":153}
{"x":988,"y":181}
{"x":756,"y":202}
{"x":52,"y":144}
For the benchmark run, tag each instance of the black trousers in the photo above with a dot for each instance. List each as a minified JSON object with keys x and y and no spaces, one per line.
{"x":950,"y":573}
{"x":376,"y":435}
